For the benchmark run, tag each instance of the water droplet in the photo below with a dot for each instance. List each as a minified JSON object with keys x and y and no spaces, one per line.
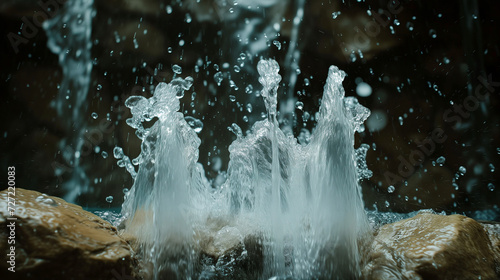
{"x":491,"y":187}
{"x":306,"y":82}
{"x":177,"y":69}
{"x":188,"y":18}
{"x":391,"y":189}
{"x":446,"y":60}
{"x":94,"y":115}
{"x":249,"y":108}
{"x":234,"y":128}
{"x":409,"y":25}
{"x":232,"y":98}
{"x":194,"y":123}
{"x":441,"y":160}
{"x":396,"y":22}
{"x":104,"y":154}
{"x":218,"y":77}
{"x":109,"y":199}
{"x":462,"y":170}
{"x":400,"y":120}
{"x":299,"y":105}
{"x":432,"y":33}
{"x":492,"y":167}
{"x":387,"y":204}
{"x":306,"y":116}
{"x":125,"y":190}
{"x":249,"y":89}
{"x":336,"y":14}
{"x":118,"y":152}
{"x":136,"y":44}
{"x":237,"y":69}
{"x":169,"y":49}
{"x":363,"y":89}
{"x":168,"y":9}
{"x":277,"y":44}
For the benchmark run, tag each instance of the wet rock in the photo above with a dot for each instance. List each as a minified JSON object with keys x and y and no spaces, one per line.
{"x":228,"y":253}
{"x":58,"y":240}
{"x":430,"y":246}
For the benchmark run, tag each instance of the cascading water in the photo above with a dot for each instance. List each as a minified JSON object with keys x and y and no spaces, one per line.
{"x":303,"y":200}
{"x":69,"y":36}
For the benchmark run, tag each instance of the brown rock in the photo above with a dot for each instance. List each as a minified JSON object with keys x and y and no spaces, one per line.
{"x":58,"y":240}
{"x":430,"y":246}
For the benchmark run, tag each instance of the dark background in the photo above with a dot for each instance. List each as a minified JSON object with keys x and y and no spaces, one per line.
{"x":417,"y":66}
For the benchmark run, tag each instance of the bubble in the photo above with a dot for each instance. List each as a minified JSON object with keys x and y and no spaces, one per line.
{"x":94,"y":115}
{"x":109,"y":199}
{"x":104,"y":154}
{"x":391,"y":189}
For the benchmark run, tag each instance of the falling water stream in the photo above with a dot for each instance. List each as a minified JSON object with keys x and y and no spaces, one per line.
{"x":69,"y":36}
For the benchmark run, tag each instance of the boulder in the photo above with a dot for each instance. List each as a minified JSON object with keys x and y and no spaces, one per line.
{"x":430,"y":246}
{"x":59,"y":240}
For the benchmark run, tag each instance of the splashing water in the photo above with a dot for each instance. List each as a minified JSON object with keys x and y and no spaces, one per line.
{"x":69,"y":36}
{"x":303,"y":201}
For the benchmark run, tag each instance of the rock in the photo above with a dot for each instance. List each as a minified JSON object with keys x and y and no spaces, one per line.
{"x":58,"y":240}
{"x":430,"y":246}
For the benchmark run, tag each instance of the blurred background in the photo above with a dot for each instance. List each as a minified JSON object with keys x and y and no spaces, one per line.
{"x":428,"y":70}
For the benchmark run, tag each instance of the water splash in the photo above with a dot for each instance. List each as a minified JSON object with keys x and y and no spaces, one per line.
{"x":303,"y":200}
{"x":69,"y":36}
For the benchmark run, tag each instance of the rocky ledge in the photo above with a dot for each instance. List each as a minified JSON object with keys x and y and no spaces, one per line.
{"x":58,"y":240}
{"x":44,"y":237}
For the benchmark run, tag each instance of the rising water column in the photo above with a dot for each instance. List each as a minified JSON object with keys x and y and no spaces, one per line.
{"x":69,"y":37}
